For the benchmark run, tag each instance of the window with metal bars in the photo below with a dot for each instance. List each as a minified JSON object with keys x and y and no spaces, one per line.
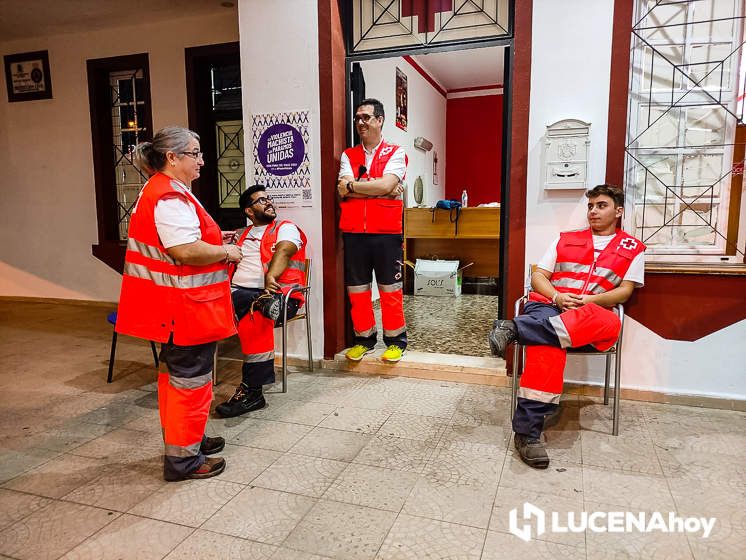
{"x":380,"y":25}
{"x":685,"y":141}
{"x":119,"y":97}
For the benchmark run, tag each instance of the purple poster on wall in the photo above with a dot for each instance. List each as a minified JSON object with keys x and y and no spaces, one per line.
{"x":280,"y":149}
{"x":281,"y":157}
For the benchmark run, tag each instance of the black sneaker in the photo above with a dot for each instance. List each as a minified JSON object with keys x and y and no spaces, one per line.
{"x":212,"y":445}
{"x":531,"y":451}
{"x":243,"y":400}
{"x":503,"y":333}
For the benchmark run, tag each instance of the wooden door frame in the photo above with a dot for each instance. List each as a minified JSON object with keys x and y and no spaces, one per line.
{"x":332,"y":125}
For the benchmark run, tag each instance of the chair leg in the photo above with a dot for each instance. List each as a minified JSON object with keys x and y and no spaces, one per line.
{"x":215,"y":365}
{"x":111,"y":356}
{"x":308,"y":336}
{"x":617,"y":388}
{"x":517,"y":351}
{"x":285,"y":356}
{"x":606,"y":378}
{"x":155,"y":353}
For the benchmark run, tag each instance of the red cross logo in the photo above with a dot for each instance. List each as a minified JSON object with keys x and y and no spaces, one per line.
{"x":738,"y":168}
{"x":386,"y":150}
{"x":628,"y":243}
{"x":425,"y":11}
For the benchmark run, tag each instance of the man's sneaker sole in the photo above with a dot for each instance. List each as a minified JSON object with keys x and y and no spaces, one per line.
{"x":361,"y":356}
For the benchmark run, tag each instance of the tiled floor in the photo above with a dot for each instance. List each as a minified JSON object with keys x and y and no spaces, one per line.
{"x":447,"y":325}
{"x":339,"y":467}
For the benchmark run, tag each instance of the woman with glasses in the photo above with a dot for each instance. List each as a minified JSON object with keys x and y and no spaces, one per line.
{"x":175,"y":291}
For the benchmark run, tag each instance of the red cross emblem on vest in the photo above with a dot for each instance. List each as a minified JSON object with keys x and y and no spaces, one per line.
{"x":386,"y":150}
{"x":628,"y":243}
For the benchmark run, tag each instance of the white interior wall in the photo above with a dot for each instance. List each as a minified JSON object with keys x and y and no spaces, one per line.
{"x":426,"y":116}
{"x":570,"y":79}
{"x":280,"y":74}
{"x":47,"y":186}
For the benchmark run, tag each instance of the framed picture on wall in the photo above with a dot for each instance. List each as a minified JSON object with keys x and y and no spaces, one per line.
{"x":27,"y":76}
{"x":401,"y":99}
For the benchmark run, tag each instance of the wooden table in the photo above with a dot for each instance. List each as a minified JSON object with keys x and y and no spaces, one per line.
{"x":474,"y":239}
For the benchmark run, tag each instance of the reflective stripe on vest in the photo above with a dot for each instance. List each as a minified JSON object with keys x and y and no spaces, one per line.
{"x":174,"y":280}
{"x":149,"y":251}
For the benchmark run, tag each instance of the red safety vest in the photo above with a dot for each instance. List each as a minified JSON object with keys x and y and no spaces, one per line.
{"x":161,"y":296}
{"x":371,"y":215}
{"x":576,"y":271}
{"x":295,"y":274}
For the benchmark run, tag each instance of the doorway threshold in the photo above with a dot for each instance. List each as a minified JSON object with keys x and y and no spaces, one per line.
{"x":427,"y":365}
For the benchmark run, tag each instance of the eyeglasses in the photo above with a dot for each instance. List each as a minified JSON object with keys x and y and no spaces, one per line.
{"x":364,"y":117}
{"x":263,"y":200}
{"x":194,"y":155}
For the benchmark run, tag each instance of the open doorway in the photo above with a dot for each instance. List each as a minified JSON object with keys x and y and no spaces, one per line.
{"x":446,"y":109}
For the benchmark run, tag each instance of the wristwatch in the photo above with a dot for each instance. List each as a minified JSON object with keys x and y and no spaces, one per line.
{"x":349,"y":187}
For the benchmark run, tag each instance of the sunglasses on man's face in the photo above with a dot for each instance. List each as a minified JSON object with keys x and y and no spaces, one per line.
{"x":363,"y":117}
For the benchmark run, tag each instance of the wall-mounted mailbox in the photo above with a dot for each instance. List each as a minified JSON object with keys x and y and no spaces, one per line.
{"x":566,"y":149}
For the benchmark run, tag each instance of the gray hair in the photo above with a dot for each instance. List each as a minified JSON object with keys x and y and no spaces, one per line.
{"x":150,"y":157}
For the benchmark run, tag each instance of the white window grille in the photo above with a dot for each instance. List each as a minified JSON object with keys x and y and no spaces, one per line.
{"x":686,"y":79}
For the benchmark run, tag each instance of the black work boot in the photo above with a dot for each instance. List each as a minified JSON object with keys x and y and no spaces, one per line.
{"x":503,"y":333}
{"x":212,"y":445}
{"x":532,"y":451}
{"x":243,"y":400}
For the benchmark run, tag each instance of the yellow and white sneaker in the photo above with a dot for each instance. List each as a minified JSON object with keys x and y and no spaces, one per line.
{"x":356,"y":353}
{"x":393,"y":354}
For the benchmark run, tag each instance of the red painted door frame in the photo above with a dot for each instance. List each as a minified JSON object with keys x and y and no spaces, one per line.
{"x":332,"y":118}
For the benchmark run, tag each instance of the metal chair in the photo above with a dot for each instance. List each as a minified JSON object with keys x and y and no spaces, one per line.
{"x":519,"y":357}
{"x":303,"y":313}
{"x":112,"y":318}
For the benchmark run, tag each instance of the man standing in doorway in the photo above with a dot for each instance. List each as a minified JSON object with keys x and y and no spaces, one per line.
{"x":369,"y":186}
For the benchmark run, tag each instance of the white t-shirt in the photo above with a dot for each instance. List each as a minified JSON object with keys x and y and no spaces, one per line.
{"x":249,"y":272}
{"x":635,"y":272}
{"x":396,"y":165}
{"x":176,"y":219}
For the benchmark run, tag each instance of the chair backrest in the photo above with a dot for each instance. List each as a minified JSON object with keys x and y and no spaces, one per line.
{"x":307,"y":276}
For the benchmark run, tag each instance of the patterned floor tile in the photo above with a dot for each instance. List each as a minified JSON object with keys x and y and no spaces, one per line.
{"x":15,"y":506}
{"x":190,"y":502}
{"x":300,"y":474}
{"x":411,"y":426}
{"x":416,"y":538}
{"x":351,"y":419}
{"x":268,"y":434}
{"x":454,"y":503}
{"x":51,"y":531}
{"x":374,"y":487}
{"x":561,"y":479}
{"x":395,"y":453}
{"x":342,"y":531}
{"x":57,"y":477}
{"x":261,"y":515}
{"x":498,"y":546}
{"x":206,"y":545}
{"x":130,"y":537}
{"x":331,"y":444}
{"x":244,"y":464}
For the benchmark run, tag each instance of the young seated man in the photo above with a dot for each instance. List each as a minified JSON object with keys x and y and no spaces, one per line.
{"x":274,"y":261}
{"x":577,"y":282}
